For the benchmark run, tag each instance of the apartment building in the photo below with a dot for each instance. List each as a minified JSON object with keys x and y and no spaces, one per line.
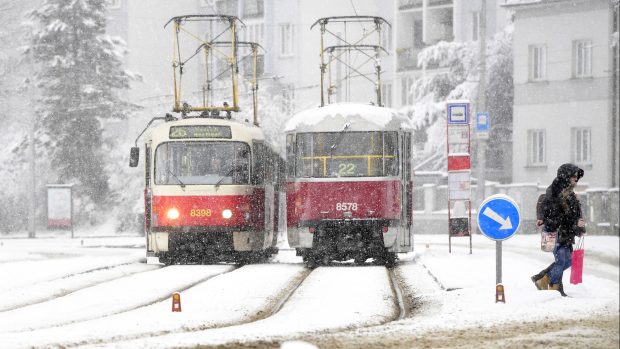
{"x":566,"y":89}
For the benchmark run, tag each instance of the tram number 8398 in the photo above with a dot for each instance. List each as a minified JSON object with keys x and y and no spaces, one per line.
{"x":346,"y":206}
{"x":200,"y":213}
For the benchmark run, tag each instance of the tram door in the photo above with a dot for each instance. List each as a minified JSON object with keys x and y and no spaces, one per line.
{"x":406,"y":190}
{"x":147,"y":198}
{"x":263,"y":176}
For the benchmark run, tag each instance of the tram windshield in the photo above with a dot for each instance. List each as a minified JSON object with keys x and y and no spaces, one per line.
{"x":212,"y":163}
{"x":346,"y":154}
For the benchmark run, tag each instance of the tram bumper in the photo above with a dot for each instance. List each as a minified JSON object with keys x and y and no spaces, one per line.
{"x":345,"y":235}
{"x":194,"y":241}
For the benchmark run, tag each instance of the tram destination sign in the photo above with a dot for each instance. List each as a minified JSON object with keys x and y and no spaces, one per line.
{"x":201,"y":131}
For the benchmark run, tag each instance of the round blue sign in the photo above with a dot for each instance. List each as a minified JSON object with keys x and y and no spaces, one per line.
{"x":498,"y":217}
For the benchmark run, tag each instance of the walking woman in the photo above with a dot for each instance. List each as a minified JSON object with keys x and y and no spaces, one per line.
{"x":561,"y":213}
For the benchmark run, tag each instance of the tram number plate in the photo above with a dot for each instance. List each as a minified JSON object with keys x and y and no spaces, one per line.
{"x":200,"y":213}
{"x":346,"y":206}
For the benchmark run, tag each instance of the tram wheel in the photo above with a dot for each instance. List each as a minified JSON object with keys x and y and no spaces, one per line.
{"x":311,"y":260}
{"x":166,"y":260}
{"x":389,"y":259}
{"x":360,"y":260}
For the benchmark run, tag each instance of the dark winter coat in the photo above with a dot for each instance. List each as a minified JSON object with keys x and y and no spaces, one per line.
{"x":561,"y":212}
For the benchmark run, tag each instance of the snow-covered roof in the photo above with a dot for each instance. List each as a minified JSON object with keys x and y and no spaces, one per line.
{"x":360,"y":117}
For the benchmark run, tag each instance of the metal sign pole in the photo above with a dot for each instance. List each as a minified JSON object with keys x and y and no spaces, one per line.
{"x":499,"y":218}
{"x":498,"y":262}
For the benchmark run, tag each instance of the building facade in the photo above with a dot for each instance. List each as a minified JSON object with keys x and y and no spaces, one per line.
{"x":566,"y":90}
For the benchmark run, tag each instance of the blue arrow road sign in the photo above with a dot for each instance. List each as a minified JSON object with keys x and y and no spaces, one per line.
{"x":499,"y":217}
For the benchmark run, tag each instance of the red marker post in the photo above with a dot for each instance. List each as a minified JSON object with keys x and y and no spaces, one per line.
{"x":176,"y":302}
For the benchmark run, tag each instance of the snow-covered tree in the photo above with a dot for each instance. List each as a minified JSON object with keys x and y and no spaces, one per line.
{"x":454,"y":74}
{"x":80,"y":79}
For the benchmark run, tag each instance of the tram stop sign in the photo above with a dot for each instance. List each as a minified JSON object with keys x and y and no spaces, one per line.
{"x":499,"y":217}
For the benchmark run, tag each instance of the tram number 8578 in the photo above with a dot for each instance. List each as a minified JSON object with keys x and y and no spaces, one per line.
{"x":346,"y":206}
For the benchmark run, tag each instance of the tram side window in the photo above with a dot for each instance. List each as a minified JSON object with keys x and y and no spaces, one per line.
{"x":390,"y":147}
{"x":259,"y":163}
{"x":290,"y":156}
{"x":305,"y":161}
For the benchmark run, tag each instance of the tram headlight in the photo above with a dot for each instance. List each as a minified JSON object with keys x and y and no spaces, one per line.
{"x":172,"y":213}
{"x":227,"y":214}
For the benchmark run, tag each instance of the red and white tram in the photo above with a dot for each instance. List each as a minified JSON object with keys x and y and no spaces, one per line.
{"x":211,"y":191}
{"x":211,"y":183}
{"x":349,"y":183}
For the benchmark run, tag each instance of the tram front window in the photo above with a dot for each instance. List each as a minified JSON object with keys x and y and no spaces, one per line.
{"x":347,"y":154}
{"x":202,"y":163}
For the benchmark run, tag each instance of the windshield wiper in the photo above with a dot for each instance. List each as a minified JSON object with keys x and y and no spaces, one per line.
{"x":177,"y":178}
{"x":338,"y":140}
{"x":230,"y":171}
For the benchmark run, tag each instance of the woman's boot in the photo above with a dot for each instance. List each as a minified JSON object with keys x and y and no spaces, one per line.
{"x":558,"y":287}
{"x":543,"y":282}
{"x":540,"y":275}
{"x":561,"y":289}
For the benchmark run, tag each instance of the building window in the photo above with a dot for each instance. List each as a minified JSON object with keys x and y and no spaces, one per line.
{"x":254,"y":32}
{"x":288,"y":99}
{"x":581,"y":145}
{"x":475,"y":26}
{"x":252,"y":8}
{"x":538,"y":62}
{"x":406,"y":92}
{"x":386,"y":94}
{"x":417,"y":34}
{"x":207,"y":3}
{"x":582,"y":58}
{"x":286,"y":39}
{"x":227,"y":7}
{"x":536,"y":144}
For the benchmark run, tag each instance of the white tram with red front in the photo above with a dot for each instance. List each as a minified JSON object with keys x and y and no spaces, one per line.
{"x":349,"y":184}
{"x":211,"y":191}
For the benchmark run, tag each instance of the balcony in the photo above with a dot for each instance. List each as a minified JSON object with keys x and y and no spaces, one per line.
{"x":407,"y":59}
{"x":409,"y":4}
{"x":432,"y":3}
{"x":413,"y":4}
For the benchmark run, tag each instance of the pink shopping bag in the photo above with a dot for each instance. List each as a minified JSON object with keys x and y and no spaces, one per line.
{"x":576,"y":270}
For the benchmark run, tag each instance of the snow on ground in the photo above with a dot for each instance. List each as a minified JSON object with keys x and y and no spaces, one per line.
{"x":216,"y":302}
{"x":329,"y":299}
{"x":451,"y":291}
{"x":108,"y":298}
{"x":469,"y":281}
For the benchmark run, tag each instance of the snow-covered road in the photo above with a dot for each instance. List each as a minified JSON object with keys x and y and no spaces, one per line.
{"x":100,"y":293}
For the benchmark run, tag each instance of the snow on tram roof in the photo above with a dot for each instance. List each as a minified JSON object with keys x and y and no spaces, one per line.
{"x":362,"y":117}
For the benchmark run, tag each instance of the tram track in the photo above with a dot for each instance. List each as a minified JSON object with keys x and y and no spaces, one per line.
{"x":404,"y":304}
{"x":274,"y":303}
{"x":43,"y":291}
{"x":403,"y":307}
{"x":407,"y":301}
{"x":88,"y":304}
